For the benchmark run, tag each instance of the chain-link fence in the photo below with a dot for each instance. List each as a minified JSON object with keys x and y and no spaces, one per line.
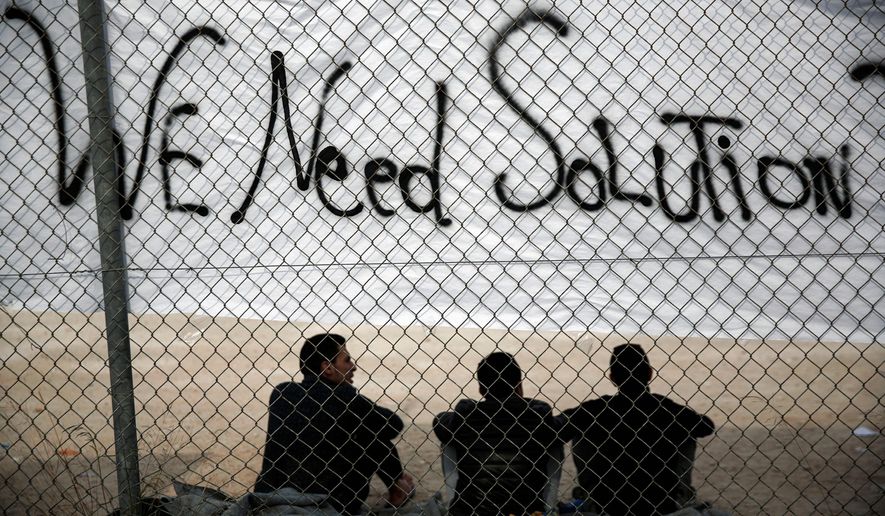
{"x":438,"y":181}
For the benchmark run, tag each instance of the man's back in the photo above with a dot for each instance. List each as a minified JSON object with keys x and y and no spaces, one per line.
{"x":627,"y":450}
{"x":325,"y":438}
{"x":502,"y":452}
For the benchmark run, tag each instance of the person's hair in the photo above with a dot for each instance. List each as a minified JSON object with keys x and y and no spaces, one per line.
{"x":630,"y":368}
{"x":317,"y":349}
{"x":498,"y":375}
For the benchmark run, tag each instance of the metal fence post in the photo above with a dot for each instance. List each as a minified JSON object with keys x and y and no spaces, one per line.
{"x":113,"y":258}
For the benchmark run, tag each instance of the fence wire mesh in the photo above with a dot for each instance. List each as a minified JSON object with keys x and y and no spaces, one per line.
{"x":437,"y":182}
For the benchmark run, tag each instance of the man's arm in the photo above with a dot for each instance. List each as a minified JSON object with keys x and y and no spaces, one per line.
{"x":550,"y":431}
{"x":443,"y":427}
{"x":704,"y":427}
{"x":445,"y":424}
{"x":381,"y":423}
{"x":382,"y":426}
{"x":696,"y":425}
{"x":279,"y":438}
{"x":567,"y":424}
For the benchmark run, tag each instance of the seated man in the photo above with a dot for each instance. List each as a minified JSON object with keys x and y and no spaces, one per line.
{"x":502,"y":443}
{"x":324,"y":437}
{"x":630,"y":449}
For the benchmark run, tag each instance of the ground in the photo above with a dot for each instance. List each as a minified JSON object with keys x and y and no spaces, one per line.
{"x":798,"y":424}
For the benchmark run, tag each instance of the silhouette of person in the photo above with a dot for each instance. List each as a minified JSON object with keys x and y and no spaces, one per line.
{"x":323,"y":436}
{"x":634,"y":451}
{"x":502,"y":443}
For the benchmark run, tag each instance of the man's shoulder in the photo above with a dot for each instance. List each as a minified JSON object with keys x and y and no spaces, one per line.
{"x":689,"y":420}
{"x":578,"y":421}
{"x":665,"y":400}
{"x":513,"y":405}
{"x":528,"y":411}
{"x":308,"y":389}
{"x":449,"y":418}
{"x":465,"y":409}
{"x":288,"y":386}
{"x":465,"y":406}
{"x":540,"y":406}
{"x":672,"y":406}
{"x":286,"y":400}
{"x":287,"y":390}
{"x":594,"y":406}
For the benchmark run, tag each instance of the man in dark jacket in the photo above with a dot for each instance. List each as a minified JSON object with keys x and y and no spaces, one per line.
{"x":502,"y":443}
{"x":323,"y":436}
{"x":634,"y":451}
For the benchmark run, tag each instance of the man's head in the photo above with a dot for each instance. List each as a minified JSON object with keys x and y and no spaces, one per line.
{"x":325,"y":355}
{"x":630,"y":368}
{"x":499,"y":376}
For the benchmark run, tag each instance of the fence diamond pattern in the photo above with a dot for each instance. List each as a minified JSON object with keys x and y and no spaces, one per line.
{"x":437,"y":181}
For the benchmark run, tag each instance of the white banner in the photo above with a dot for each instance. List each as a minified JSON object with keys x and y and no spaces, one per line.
{"x":703,"y":168}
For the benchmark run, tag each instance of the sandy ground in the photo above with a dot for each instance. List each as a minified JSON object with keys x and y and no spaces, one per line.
{"x":799,"y":424}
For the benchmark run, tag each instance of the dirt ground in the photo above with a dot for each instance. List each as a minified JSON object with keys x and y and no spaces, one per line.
{"x":798,"y":424}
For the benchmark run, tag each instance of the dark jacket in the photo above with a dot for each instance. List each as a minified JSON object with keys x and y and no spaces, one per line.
{"x":502,"y":454}
{"x":628,"y":451}
{"x":327,"y":438}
